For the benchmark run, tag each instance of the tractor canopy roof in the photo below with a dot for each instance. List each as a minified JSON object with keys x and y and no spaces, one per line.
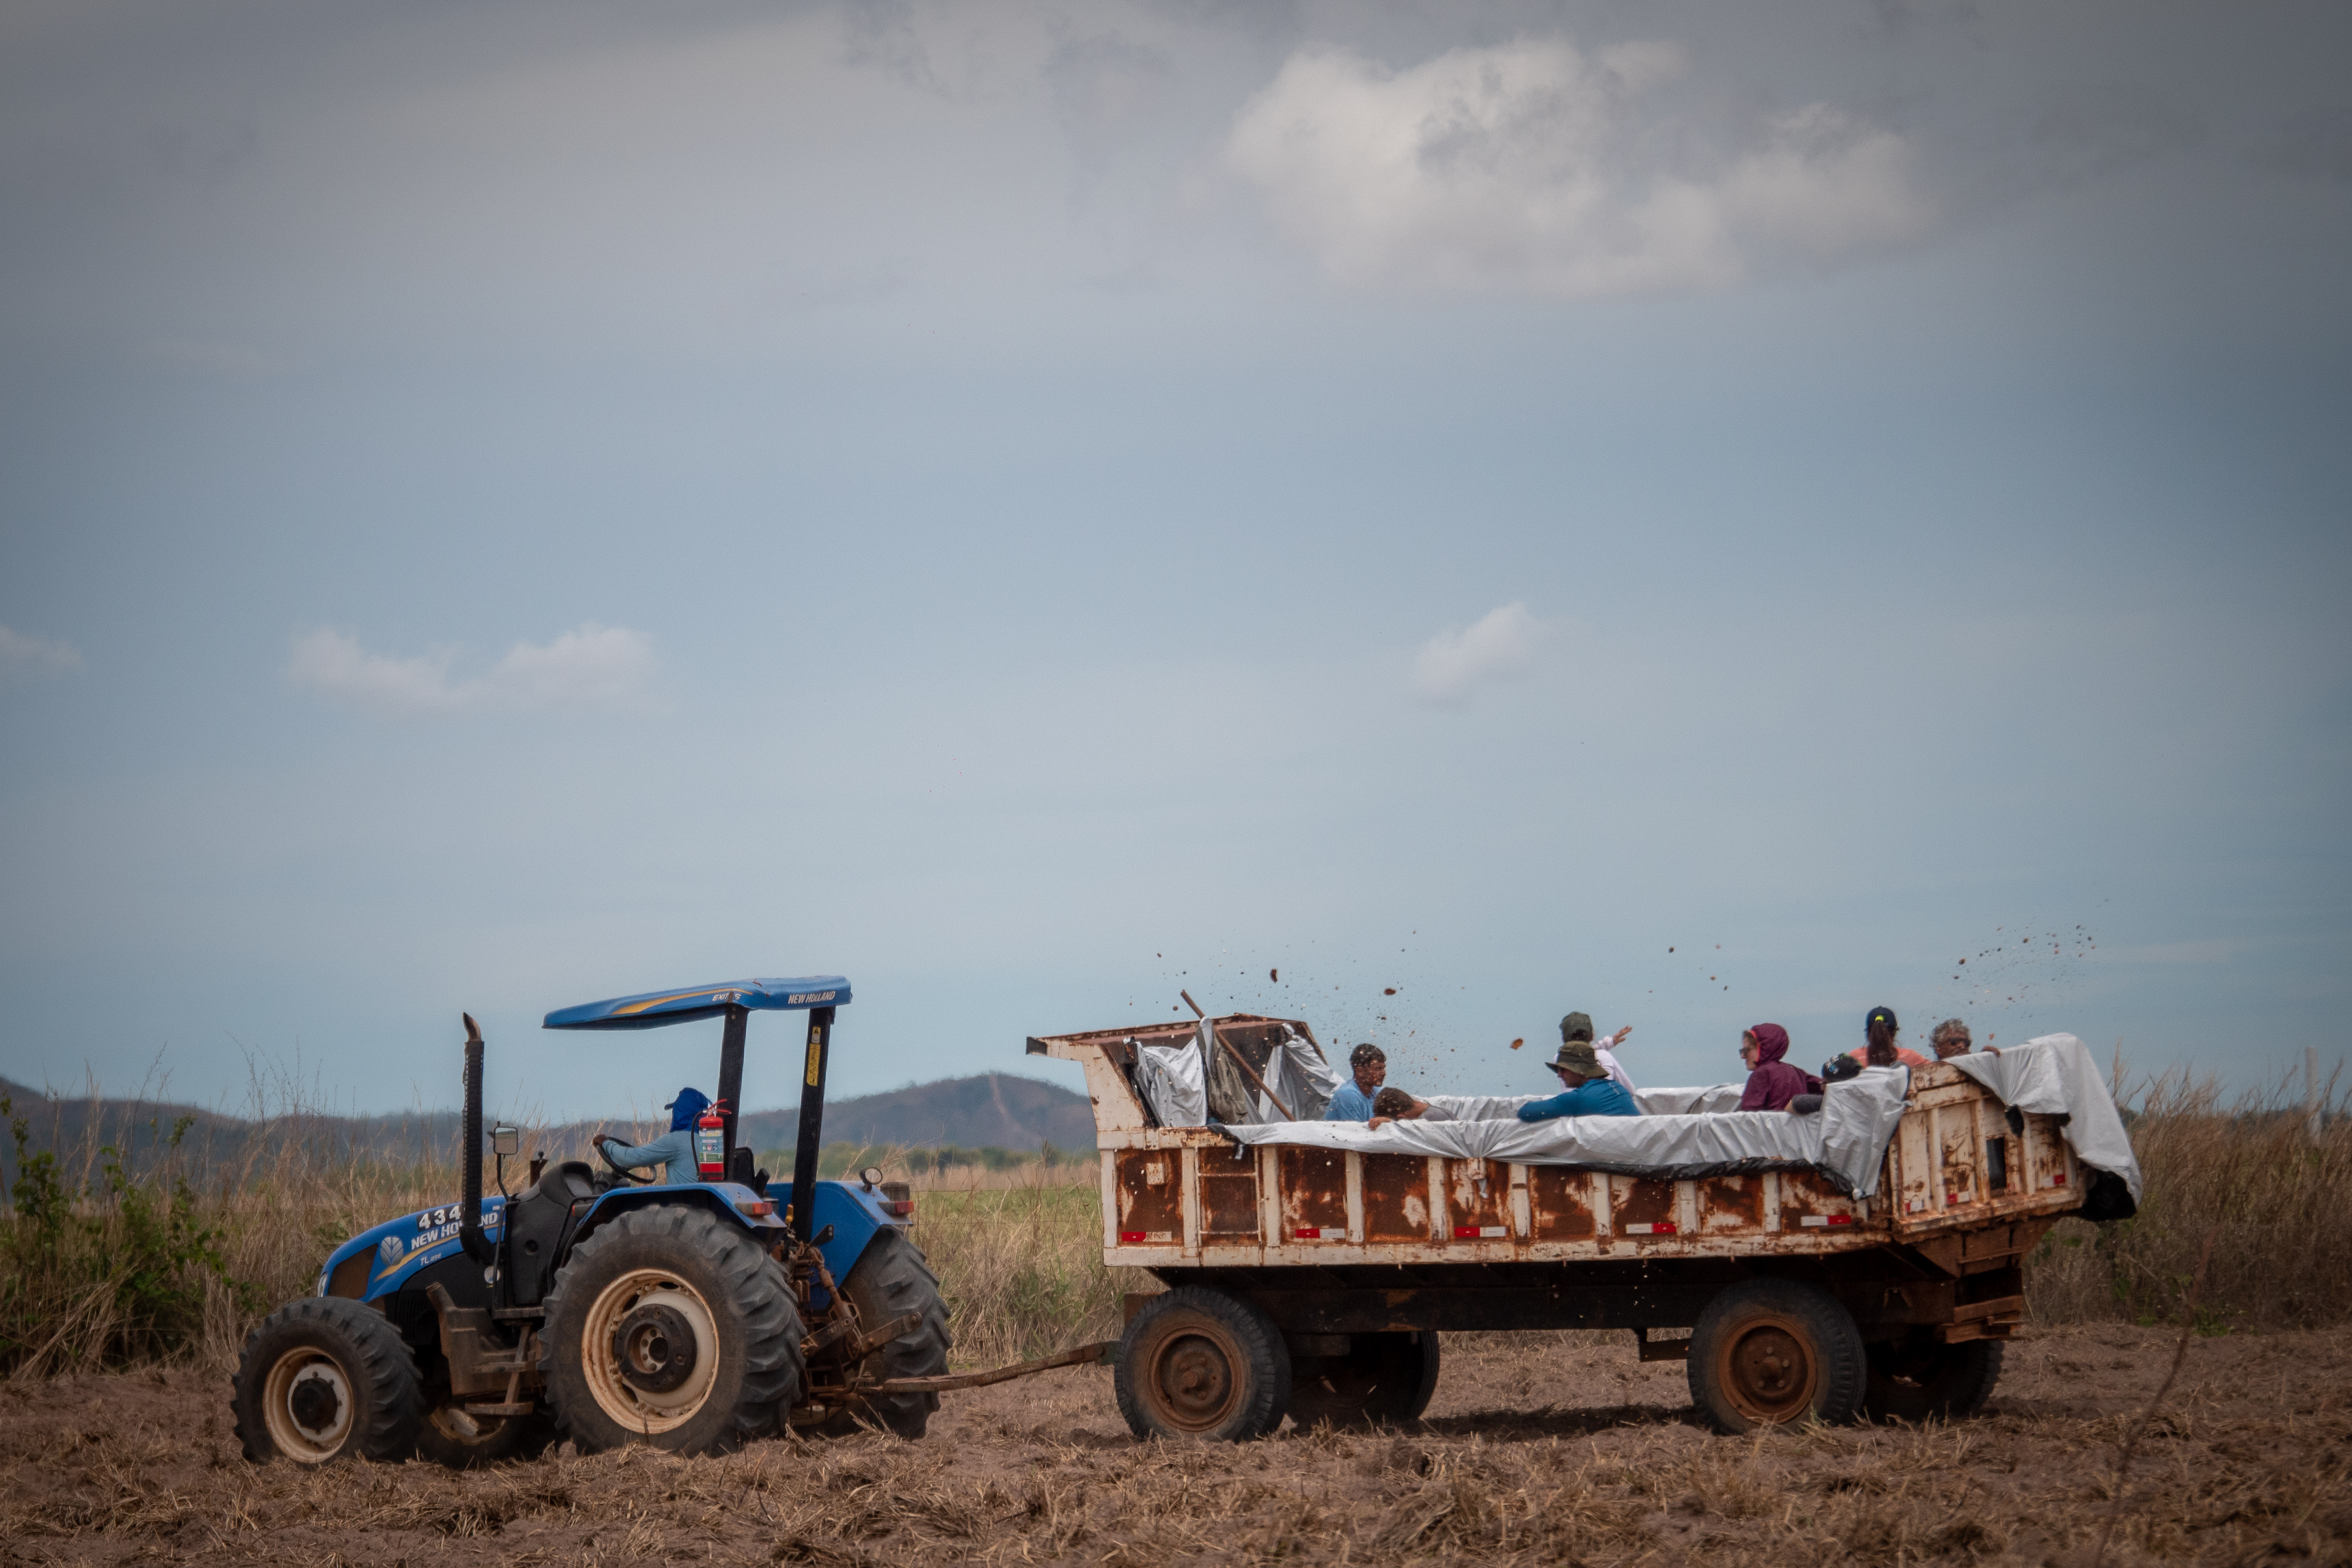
{"x":657,"y":1008}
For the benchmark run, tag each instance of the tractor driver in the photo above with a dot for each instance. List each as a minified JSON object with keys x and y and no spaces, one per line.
{"x":673,"y":1150}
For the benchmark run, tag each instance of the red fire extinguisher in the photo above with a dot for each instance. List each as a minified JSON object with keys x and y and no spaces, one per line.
{"x":710,"y":1145}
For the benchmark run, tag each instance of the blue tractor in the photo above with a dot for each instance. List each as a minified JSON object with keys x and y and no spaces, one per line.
{"x":591,"y":1306}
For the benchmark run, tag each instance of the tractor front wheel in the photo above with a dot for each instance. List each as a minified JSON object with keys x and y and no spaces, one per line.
{"x":889,"y":1280}
{"x":326,"y":1378}
{"x":673,"y":1327}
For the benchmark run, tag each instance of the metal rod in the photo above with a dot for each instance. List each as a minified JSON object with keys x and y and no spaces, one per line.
{"x":812,"y":1128}
{"x":730,"y":1082}
{"x":1077,"y":1355}
{"x":1240,"y":1061}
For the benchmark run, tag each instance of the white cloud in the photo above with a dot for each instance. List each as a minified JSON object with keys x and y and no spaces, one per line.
{"x":1523,"y":166}
{"x":1500,"y":645}
{"x":588,"y":666}
{"x":24,"y":658}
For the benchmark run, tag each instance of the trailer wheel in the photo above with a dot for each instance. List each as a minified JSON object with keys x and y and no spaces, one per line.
{"x":1917,"y":1379}
{"x":891,"y":1279}
{"x":1383,"y":1377}
{"x":672,"y":1327}
{"x":1767,"y":1353}
{"x":324,"y":1379}
{"x":1196,"y":1362}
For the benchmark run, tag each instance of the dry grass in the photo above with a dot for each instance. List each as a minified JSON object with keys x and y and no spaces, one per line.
{"x":2278,"y":1200}
{"x":1540,"y":1450}
{"x":110,"y":1282}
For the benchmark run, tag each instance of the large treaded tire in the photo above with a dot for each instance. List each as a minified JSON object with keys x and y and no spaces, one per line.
{"x":1920,"y":1380}
{"x":1196,"y":1362}
{"x":1383,"y":1377}
{"x":710,"y":1272}
{"x":323,"y":1379}
{"x":891,"y":1279}
{"x":1773,"y":1353}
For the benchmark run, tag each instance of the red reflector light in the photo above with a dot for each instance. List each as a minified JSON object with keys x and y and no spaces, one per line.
{"x":1127,"y":1237}
{"x":1663,"y":1227}
{"x":900,"y":1210}
{"x":2058,"y":1180}
{"x":1461,"y":1231}
{"x":1841,"y":1219}
{"x":758,"y":1208}
{"x":1307,"y":1232}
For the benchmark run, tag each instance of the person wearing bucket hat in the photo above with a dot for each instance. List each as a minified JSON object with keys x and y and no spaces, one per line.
{"x":1586,"y":1089}
{"x":1579,"y":1026}
{"x":674,"y":1150}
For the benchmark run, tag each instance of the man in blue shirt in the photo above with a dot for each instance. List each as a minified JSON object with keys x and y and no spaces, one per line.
{"x":1587,"y":1089}
{"x":674,"y":1150}
{"x":1353,"y":1102}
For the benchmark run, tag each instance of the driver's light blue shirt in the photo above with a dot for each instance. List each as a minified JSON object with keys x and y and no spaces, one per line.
{"x":1349,"y":1104}
{"x":672,"y":1151}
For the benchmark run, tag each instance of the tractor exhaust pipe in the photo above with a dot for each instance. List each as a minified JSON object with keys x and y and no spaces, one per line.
{"x":469,"y":1219}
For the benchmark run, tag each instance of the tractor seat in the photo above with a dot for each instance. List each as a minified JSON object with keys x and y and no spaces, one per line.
{"x":569,"y":1182}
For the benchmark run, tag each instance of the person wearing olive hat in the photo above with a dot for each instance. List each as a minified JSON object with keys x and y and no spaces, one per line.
{"x":1586,"y":1089}
{"x":1579,"y":1026}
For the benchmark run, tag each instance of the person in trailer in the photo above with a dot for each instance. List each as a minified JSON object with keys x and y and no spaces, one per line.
{"x":674,"y":1150}
{"x":1772,"y":1084}
{"x":1586,"y":1089}
{"x":1878,"y":1049}
{"x":1579,"y":1026}
{"x":1353,"y":1102}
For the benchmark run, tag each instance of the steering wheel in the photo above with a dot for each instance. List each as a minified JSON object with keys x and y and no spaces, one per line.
{"x":621,"y":1171}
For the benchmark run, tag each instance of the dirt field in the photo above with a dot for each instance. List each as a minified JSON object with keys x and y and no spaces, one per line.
{"x":1558,"y":1449}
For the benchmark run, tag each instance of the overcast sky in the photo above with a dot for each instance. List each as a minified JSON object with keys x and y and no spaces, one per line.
{"x":1701,"y":514}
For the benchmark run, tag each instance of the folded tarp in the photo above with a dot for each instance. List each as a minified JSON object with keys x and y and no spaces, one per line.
{"x":2053,"y":1075}
{"x":1846,"y":1142}
{"x":1175,"y":1080}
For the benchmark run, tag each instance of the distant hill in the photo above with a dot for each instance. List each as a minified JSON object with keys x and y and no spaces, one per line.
{"x":998,"y":1109}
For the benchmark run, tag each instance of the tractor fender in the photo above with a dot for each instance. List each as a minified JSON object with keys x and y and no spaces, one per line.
{"x":380,"y":1261}
{"x":856,"y":1216}
{"x":727,"y":1200}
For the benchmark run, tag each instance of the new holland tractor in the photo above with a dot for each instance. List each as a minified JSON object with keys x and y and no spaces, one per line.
{"x":591,"y":1306}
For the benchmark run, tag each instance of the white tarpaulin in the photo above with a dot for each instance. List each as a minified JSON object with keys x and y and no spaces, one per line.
{"x":2053,"y":1075}
{"x":1846,"y":1140}
{"x":1300,"y":1079}
{"x":1173,"y":1083}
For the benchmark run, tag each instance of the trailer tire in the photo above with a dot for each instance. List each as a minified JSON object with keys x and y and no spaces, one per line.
{"x":1770,"y":1352}
{"x":326,"y":1378}
{"x":1917,"y":1379}
{"x":652,"y":1276}
{"x":1197,"y":1363}
{"x":891,"y":1279}
{"x":1383,"y":1377}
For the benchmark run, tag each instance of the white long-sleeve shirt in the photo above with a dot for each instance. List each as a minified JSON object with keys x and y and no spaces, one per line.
{"x":1609,"y":1059}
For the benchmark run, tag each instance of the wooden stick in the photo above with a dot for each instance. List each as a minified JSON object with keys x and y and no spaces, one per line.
{"x":1240,"y":1061}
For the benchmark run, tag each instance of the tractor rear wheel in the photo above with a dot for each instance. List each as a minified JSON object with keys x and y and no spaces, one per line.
{"x":891,"y":1279}
{"x":1383,"y":1377}
{"x":1196,"y":1362}
{"x":1769,"y":1352}
{"x":1917,"y":1379}
{"x":671,"y":1326}
{"x":326,"y":1378}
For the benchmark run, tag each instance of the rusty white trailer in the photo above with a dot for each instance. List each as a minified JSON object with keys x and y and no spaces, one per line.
{"x":1314,"y":1282}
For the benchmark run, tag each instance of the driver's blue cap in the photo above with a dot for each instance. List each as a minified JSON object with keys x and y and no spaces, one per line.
{"x":687,"y":1109}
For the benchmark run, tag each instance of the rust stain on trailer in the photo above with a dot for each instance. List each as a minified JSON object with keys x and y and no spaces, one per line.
{"x":1478,"y":1199}
{"x":1957,"y":1134}
{"x":1804,"y":1195}
{"x":1396,"y":1198}
{"x":1314,"y":1193}
{"x":1639,"y":1207}
{"x":1150,"y":1196}
{"x":1560,"y":1200}
{"x":1229,"y":1204}
{"x":1732,"y":1204}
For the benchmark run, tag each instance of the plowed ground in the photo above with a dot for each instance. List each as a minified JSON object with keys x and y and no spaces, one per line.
{"x":1539,"y":1449}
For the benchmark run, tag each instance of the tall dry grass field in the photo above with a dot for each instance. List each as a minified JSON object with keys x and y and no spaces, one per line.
{"x":172,"y":1259}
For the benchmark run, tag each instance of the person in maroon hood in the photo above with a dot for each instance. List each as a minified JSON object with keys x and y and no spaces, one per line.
{"x":1772,"y":1082}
